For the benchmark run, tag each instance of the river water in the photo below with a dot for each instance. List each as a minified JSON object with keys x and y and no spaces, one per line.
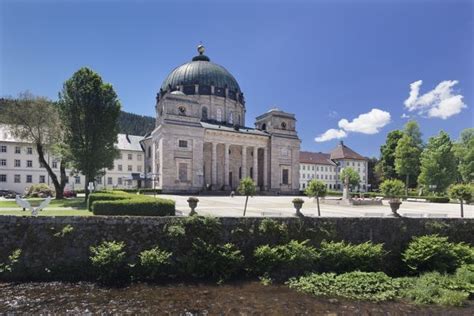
{"x":249,"y":298}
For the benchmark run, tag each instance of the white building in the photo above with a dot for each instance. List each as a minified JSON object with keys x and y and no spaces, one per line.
{"x":326,"y":167}
{"x":20,"y":167}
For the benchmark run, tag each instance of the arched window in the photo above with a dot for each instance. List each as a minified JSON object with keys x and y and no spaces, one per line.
{"x":264,"y":126}
{"x":204,"y":113}
{"x":231,"y":118}
{"x":283,"y":125}
{"x":182,"y":110}
{"x":219,"y":115}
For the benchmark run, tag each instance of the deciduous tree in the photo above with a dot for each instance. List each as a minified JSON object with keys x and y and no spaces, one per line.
{"x":438,"y":164}
{"x":407,"y":159}
{"x":247,"y":188}
{"x":464,"y":152}
{"x":90,"y":110}
{"x":387,"y":154}
{"x":316,"y":189}
{"x":463,"y":193}
{"x":36,"y":119}
{"x":352,"y":175}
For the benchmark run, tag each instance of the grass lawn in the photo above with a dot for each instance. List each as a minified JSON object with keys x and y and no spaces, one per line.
{"x":9,"y":207}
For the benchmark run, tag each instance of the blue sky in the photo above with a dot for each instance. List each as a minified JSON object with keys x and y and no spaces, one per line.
{"x":344,"y":66}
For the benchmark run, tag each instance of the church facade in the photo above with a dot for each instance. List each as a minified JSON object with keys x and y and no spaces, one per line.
{"x":201,"y":141}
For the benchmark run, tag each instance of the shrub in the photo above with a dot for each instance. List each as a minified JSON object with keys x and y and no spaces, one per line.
{"x":109,"y":261}
{"x":369,"y":286}
{"x":215,"y":262}
{"x":12,"y":261}
{"x":154,"y":264}
{"x":40,"y":190}
{"x":106,"y":196}
{"x":207,"y":228}
{"x":435,"y":288}
{"x":283,"y":261}
{"x":436,"y":253}
{"x":438,"y":199}
{"x":137,"y":206}
{"x":273,"y":230}
{"x":343,"y":257}
{"x":392,"y":188}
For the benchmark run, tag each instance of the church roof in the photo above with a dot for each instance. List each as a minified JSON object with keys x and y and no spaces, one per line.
{"x":344,"y":152}
{"x":200,"y":70}
{"x":316,"y":158}
{"x":129,"y":142}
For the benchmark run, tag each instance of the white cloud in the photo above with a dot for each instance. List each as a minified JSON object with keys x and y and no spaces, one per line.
{"x":333,"y":114}
{"x":367,"y":123}
{"x":330,"y":134}
{"x":439,"y":102}
{"x":405,"y":116}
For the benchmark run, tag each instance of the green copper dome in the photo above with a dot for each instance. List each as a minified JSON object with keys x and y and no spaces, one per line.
{"x":203,"y":72}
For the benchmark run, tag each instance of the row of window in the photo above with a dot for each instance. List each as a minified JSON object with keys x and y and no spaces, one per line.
{"x":17,"y":178}
{"x":303,"y":167}
{"x":324,"y":177}
{"x":17,"y":163}
{"x":29,"y":150}
{"x":129,"y":168}
{"x":110,"y":181}
{"x":130,"y":156}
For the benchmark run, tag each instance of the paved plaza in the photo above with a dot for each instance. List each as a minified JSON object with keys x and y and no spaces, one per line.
{"x":282,"y":206}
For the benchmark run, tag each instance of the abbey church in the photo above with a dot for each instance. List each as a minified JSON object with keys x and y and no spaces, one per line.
{"x":202,"y":142}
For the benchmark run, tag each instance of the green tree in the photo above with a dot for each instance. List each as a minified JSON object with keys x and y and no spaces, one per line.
{"x":36,"y":119}
{"x":90,"y":111}
{"x":407,"y":159}
{"x":316,"y":189}
{"x":463,"y":193}
{"x":464,"y":152}
{"x":412,"y":129}
{"x":352,"y":175}
{"x":374,"y":173}
{"x":438,"y":164}
{"x":387,"y":154}
{"x":247,"y":188}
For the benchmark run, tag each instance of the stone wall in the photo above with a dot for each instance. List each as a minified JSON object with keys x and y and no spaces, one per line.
{"x":49,"y":251}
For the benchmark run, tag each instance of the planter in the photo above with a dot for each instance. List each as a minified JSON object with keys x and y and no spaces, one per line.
{"x":395,"y":205}
{"x":192,"y":202}
{"x":298,"y":205}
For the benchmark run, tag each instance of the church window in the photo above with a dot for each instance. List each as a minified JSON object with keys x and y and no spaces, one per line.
{"x":264,"y":127}
{"x":240,"y":172}
{"x":204,"y":113}
{"x":183,"y":144}
{"x":251,"y":172}
{"x":149,"y":151}
{"x":183,"y":172}
{"x":284,"y":176}
{"x":231,"y":118}
{"x":219,"y":115}
{"x":182,"y":110}
{"x":283,"y":125}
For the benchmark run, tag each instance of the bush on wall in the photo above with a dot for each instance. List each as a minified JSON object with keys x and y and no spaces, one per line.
{"x":154,"y":264}
{"x":109,"y":262}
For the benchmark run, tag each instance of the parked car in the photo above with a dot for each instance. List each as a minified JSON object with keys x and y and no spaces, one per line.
{"x":69,"y":194}
{"x":8,"y":194}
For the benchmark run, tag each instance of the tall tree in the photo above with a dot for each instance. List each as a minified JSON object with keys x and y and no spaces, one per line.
{"x":407,"y":159}
{"x":412,"y":129}
{"x":374,"y":173}
{"x":352,"y":175}
{"x":387,"y":154}
{"x":36,"y":119}
{"x":438,"y":164}
{"x":464,"y":152}
{"x":90,"y":110}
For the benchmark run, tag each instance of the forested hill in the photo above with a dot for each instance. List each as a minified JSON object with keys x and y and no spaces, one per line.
{"x":135,"y":124}
{"x":129,"y":123}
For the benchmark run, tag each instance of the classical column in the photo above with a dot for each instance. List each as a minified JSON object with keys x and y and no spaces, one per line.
{"x":244,"y":161}
{"x":214,"y":165}
{"x":153,"y":158}
{"x":255,"y":165}
{"x":265,"y":169}
{"x":226,"y":165}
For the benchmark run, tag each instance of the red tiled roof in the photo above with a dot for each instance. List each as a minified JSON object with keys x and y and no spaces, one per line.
{"x":344,"y":152}
{"x":315,"y":158}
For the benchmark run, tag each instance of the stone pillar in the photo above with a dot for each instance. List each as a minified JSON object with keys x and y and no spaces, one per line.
{"x":244,"y":161}
{"x":153,"y":158}
{"x":226,"y":166}
{"x":265,"y":170}
{"x":214,"y":165}
{"x":255,"y":165}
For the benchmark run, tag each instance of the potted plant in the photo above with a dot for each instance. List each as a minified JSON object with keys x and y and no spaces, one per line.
{"x":193,"y":202}
{"x":393,"y":189}
{"x":298,"y":204}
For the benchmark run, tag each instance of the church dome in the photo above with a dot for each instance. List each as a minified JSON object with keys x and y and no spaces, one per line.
{"x":203,"y":72}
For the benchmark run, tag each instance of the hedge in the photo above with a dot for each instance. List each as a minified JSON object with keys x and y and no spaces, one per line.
{"x":438,"y":199}
{"x":138,"y":206}
{"x":106,"y":196}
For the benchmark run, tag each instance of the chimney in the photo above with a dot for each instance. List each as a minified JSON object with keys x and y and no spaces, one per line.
{"x":341,"y":143}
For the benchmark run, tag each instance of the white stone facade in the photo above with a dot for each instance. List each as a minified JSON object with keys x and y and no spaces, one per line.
{"x":20,"y":167}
